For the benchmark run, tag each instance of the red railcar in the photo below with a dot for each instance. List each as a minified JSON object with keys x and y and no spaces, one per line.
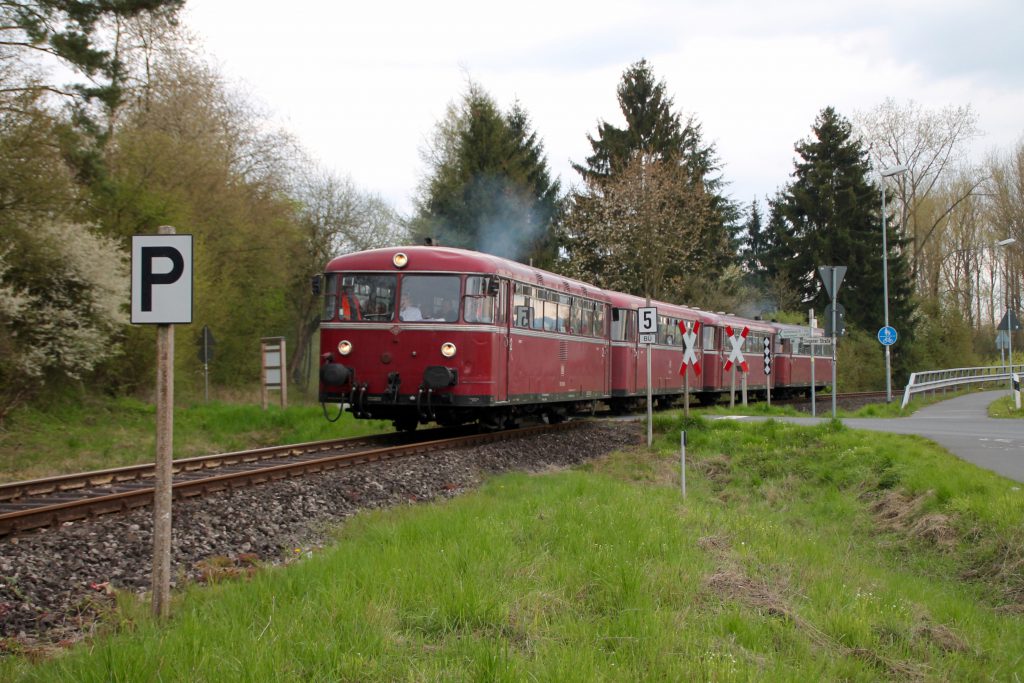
{"x":792,"y":368}
{"x":434,"y":334}
{"x":629,"y":357}
{"x":479,"y":338}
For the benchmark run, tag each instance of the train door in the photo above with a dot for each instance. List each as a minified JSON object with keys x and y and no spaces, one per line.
{"x":640,"y":352}
{"x":502,"y":341}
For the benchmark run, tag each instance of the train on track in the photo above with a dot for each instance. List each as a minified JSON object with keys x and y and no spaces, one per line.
{"x":424,"y":334}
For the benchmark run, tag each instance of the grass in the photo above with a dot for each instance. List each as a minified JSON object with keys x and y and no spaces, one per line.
{"x":78,"y":433}
{"x":1005,"y":407}
{"x":798,"y":554}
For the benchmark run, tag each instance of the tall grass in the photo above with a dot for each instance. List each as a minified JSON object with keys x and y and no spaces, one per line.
{"x":799,"y":554}
{"x":74,"y":434}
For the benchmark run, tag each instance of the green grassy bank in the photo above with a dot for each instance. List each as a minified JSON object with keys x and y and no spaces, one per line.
{"x":799,"y":554}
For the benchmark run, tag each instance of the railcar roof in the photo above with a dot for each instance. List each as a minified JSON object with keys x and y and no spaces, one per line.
{"x":452,"y":260}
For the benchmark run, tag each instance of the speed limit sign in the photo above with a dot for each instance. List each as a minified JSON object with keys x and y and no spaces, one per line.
{"x":648,"y":324}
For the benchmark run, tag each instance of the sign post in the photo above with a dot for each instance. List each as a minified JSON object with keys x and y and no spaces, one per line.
{"x":832,"y":277}
{"x":162,"y":295}
{"x":689,"y":332}
{"x":273,"y":359}
{"x":648,"y":334}
{"x":768,"y":369}
{"x":206,"y":344}
{"x":736,"y":358}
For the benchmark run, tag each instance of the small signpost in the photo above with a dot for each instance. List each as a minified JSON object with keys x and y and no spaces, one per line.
{"x":736,"y":359}
{"x":768,"y":369}
{"x":689,"y":332}
{"x":832,"y":277}
{"x":648,"y":329}
{"x":206,"y":342}
{"x":272,"y":353}
{"x":887,"y":335}
{"x":162,"y":295}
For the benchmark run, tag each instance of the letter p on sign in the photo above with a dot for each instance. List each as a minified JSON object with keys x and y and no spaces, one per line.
{"x":161,"y":279}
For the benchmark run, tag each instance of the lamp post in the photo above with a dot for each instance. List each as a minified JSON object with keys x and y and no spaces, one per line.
{"x":887,"y":173}
{"x":1009,"y":318}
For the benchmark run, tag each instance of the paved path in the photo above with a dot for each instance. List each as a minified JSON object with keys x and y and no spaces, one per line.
{"x":961,"y":425}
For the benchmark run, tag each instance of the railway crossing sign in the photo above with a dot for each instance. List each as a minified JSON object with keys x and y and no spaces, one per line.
{"x":689,"y":331}
{"x":648,"y":324}
{"x":161,"y":279}
{"x":767,"y":356}
{"x":887,"y":335}
{"x":736,"y":355}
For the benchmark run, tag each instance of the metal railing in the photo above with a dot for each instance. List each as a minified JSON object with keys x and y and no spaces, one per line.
{"x":930,"y":380}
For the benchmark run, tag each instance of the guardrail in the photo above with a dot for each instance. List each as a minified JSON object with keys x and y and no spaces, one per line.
{"x":942,"y":379}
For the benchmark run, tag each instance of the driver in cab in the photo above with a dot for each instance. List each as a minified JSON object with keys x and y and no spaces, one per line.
{"x":409,"y":311}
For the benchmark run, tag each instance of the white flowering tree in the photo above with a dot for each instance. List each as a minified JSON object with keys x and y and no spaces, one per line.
{"x":63,"y":291}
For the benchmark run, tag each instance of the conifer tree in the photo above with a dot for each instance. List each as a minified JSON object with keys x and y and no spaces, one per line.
{"x":488,"y":186}
{"x":660,"y":135}
{"x":831,"y":215}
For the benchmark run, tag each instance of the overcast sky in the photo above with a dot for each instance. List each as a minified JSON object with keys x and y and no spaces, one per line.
{"x":362,"y":85}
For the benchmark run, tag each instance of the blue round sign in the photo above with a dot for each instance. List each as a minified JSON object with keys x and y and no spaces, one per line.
{"x":887,"y":335}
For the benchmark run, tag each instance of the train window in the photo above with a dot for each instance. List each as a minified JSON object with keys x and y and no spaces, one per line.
{"x":576,"y":317}
{"x":365,"y":297}
{"x":709,"y":337}
{"x":430,"y":298}
{"x":537,"y":314}
{"x":619,"y":324}
{"x":479,"y":301}
{"x":599,"y":329}
{"x":330,"y":291}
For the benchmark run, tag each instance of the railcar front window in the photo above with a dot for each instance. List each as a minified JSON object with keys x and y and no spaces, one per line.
{"x":330,"y":296}
{"x":367,"y":298}
{"x":430,"y":298}
{"x":479,"y":305}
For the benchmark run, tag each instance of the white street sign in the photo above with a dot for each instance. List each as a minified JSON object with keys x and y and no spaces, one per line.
{"x":648,"y":320}
{"x":161,"y":279}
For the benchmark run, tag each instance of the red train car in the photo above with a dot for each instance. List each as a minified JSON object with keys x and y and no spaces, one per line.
{"x":792,"y":368}
{"x":434,"y":334}
{"x":420,"y":334}
{"x":629,"y":357}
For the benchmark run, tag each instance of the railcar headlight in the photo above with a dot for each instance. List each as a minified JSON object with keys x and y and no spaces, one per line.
{"x":400,"y":260}
{"x":447,"y":349}
{"x":345,"y":347}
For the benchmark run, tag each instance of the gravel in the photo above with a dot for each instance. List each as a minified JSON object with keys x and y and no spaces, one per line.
{"x":56,"y":583}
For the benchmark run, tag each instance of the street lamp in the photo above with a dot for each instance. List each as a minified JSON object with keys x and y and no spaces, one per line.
{"x":887,"y":173}
{"x":1009,"y":318}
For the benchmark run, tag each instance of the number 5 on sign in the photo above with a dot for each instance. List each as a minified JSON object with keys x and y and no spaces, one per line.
{"x":648,"y":320}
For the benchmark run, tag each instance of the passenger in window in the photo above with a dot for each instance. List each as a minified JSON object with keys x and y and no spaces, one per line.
{"x":409,"y":310}
{"x":349,"y":304}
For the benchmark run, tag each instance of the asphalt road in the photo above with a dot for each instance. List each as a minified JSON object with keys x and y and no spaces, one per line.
{"x":961,"y":425}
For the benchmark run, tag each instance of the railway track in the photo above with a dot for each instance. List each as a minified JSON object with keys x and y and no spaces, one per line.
{"x":53,"y":501}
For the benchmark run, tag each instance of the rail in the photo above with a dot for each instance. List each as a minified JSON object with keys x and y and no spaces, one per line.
{"x":943,"y":379}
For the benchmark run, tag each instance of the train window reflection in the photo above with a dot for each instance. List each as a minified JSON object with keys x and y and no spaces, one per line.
{"x":478,"y":305}
{"x":330,"y":296}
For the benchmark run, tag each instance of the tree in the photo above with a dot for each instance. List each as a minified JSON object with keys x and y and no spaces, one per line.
{"x":487,"y":186}
{"x":629,"y":232}
{"x":75,"y":32}
{"x":932,"y":144}
{"x":659,"y":134}
{"x":830,"y":215}
{"x":1006,"y":213}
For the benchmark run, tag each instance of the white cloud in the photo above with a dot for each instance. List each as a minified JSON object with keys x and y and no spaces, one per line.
{"x":362,"y":85}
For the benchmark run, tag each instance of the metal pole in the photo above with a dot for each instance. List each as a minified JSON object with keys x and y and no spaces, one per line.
{"x":885,"y":290}
{"x":682,"y":461}
{"x":814,"y":398}
{"x":835,"y":310}
{"x":650,"y":408}
{"x":1009,"y":319}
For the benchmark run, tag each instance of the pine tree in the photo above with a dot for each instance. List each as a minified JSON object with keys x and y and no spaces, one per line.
{"x":830,"y":215}
{"x":659,"y":134}
{"x":488,"y":187}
